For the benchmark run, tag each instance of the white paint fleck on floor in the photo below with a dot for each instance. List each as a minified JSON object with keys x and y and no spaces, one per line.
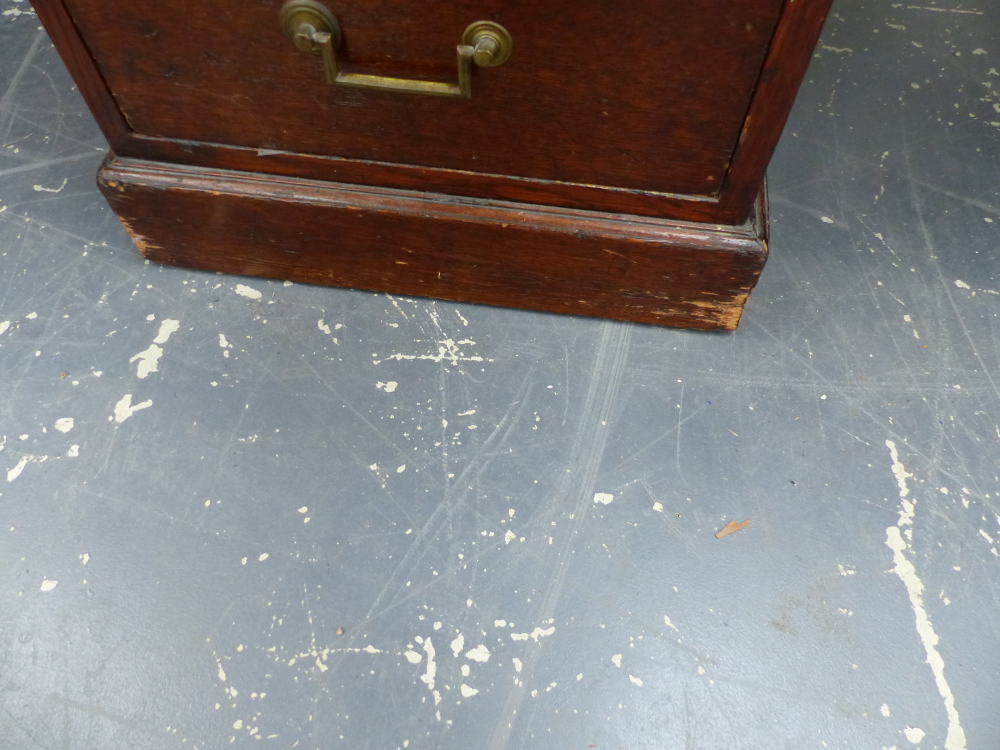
{"x":124,"y":408}
{"x":904,"y":568}
{"x":249,"y":292}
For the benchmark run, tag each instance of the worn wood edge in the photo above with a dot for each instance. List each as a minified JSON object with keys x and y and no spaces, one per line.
{"x":743,"y":236}
{"x":710,"y":315}
{"x":718,"y":310}
{"x":788,"y":56}
{"x":592,"y":197}
{"x":56,"y":19}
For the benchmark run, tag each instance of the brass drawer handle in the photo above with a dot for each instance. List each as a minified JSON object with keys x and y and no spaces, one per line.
{"x":314,"y":29}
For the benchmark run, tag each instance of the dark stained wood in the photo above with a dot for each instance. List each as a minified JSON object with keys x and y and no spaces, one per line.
{"x":66,"y":39}
{"x":784,"y":69}
{"x":784,"y":66}
{"x":644,"y":95}
{"x":243,"y":161}
{"x":514,"y":255}
{"x":408,"y":177}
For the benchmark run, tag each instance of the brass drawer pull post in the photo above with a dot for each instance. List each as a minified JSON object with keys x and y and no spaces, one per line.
{"x":314,"y":29}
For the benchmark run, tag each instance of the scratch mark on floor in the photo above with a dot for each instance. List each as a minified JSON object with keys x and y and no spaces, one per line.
{"x":577,"y":482}
{"x":105,"y":714}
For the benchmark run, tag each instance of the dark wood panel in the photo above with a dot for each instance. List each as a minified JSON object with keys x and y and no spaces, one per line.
{"x":648,"y":95}
{"x":787,"y":58}
{"x":66,"y":39}
{"x":785,"y":67}
{"x":514,"y":255}
{"x":407,"y":177}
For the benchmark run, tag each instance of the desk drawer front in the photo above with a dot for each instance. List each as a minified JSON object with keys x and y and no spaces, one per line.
{"x":642,"y":95}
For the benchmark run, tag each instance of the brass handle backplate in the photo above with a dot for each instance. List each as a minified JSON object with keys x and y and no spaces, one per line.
{"x":314,"y":29}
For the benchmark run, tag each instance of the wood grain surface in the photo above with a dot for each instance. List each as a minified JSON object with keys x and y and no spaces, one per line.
{"x":419,"y":244}
{"x":645,"y":95}
{"x":785,"y":66}
{"x":788,"y":54}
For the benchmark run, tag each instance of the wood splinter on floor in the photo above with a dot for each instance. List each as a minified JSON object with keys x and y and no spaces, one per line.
{"x":731,"y":528}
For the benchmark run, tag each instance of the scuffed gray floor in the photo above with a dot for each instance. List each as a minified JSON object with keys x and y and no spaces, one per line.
{"x":237,"y":512}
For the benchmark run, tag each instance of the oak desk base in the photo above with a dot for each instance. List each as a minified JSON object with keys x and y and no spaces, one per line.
{"x":683,"y":274}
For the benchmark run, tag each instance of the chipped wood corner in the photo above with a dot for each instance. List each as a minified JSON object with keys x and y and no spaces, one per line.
{"x":146,"y":248}
{"x":726,"y":314}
